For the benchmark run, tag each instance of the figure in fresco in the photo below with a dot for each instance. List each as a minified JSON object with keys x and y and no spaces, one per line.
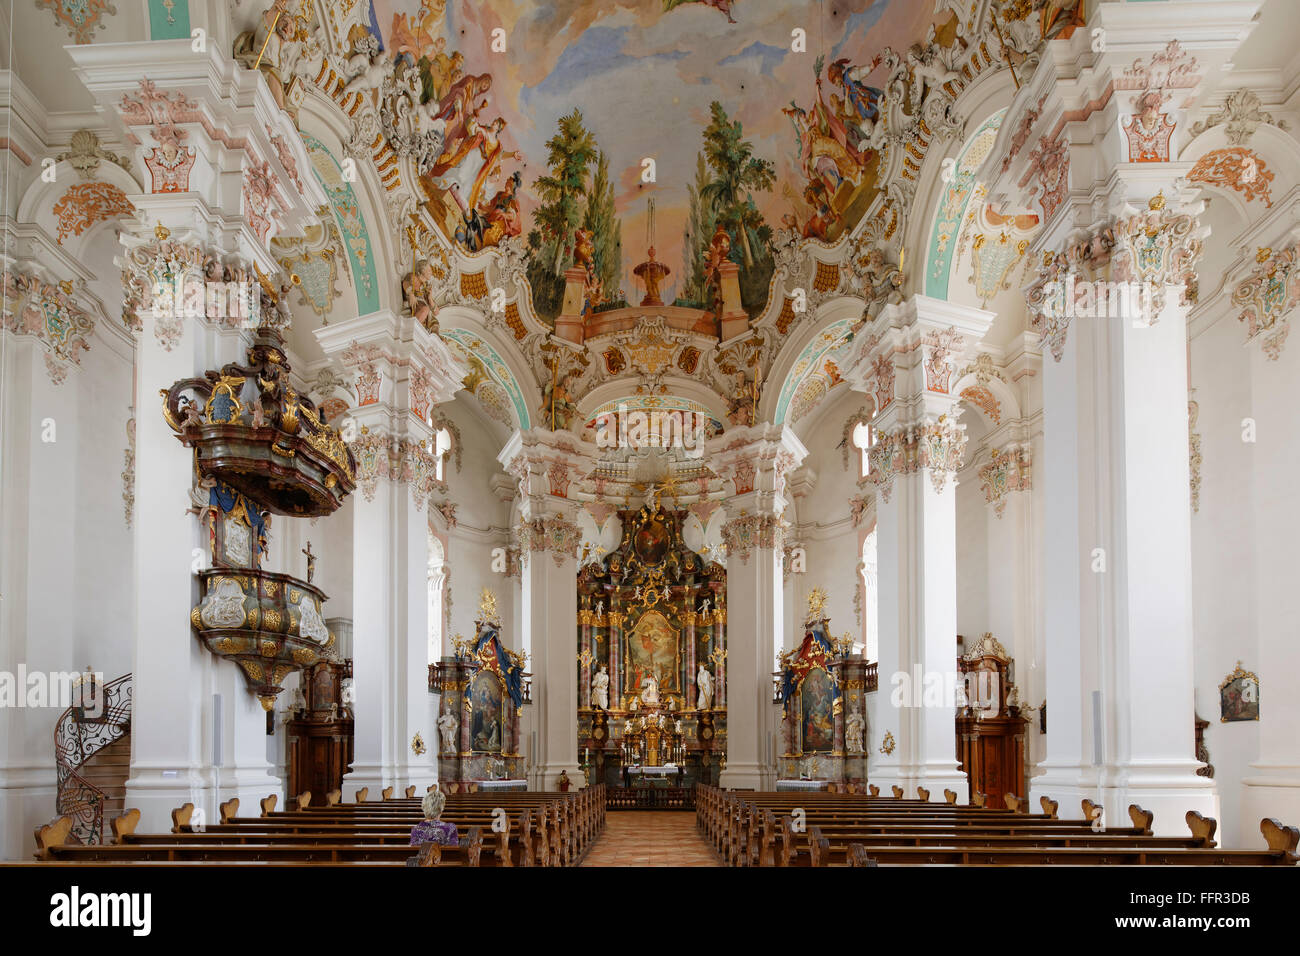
{"x":417,"y":291}
{"x":500,"y":219}
{"x":557,"y":402}
{"x":723,"y":5}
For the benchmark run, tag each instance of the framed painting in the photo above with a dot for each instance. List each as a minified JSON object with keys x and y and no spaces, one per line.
{"x":652,"y":651}
{"x":816,"y":715}
{"x":1239,"y":696}
{"x":487,"y":715}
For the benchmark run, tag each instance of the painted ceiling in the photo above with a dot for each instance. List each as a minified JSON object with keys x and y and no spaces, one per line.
{"x":644,"y":74}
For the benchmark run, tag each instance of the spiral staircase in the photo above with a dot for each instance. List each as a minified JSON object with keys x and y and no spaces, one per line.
{"x":92,"y":754}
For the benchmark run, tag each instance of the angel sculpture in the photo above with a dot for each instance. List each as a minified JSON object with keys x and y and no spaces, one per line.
{"x":368,"y":68}
{"x":192,"y":414}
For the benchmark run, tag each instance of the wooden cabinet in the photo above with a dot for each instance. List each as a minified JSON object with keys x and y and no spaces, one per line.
{"x":991,"y":752}
{"x":990,"y":728}
{"x":320,"y":736}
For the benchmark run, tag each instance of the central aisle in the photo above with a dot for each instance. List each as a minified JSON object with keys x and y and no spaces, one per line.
{"x":651,"y":838}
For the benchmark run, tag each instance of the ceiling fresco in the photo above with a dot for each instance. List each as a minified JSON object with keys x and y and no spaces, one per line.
{"x":563,"y":123}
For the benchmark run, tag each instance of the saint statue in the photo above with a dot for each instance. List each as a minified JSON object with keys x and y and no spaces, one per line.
{"x":704,"y":681}
{"x":853,"y":726}
{"x":447,"y":725}
{"x":600,"y":689}
{"x":649,"y":690}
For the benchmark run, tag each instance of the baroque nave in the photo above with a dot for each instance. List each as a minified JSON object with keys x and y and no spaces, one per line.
{"x":702,"y":432}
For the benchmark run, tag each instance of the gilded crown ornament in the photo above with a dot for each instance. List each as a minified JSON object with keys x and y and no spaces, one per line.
{"x":816,"y":605}
{"x":487,"y":608}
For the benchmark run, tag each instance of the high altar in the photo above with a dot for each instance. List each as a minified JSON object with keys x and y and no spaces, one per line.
{"x":652,"y":652}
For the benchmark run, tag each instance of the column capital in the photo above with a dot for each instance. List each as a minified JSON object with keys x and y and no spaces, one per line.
{"x":544,"y":463}
{"x":907,"y":358}
{"x":757,"y":460}
{"x":1119,"y":268}
{"x":1112,"y":99}
{"x":218,"y":155}
{"x":401,"y":369}
{"x":400,"y":372}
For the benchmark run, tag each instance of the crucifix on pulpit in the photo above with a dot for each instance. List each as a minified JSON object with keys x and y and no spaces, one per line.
{"x":311,"y":562}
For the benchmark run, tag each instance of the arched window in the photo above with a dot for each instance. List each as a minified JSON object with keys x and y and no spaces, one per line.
{"x":870,"y":598}
{"x":437,"y":582}
{"x":441,"y":445}
{"x":863,"y":438}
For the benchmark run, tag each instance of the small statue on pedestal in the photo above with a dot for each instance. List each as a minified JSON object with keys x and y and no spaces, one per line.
{"x":447,"y":725}
{"x":853,"y":726}
{"x":704,"y":681}
{"x":600,"y":690}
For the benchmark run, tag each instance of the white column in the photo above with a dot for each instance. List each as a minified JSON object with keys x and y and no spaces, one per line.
{"x":757,"y":462}
{"x":231,"y":191}
{"x":906,"y":359}
{"x":1117,"y":530}
{"x":37,"y":633}
{"x":1117,"y":582}
{"x":401,"y":371}
{"x":543,"y":463}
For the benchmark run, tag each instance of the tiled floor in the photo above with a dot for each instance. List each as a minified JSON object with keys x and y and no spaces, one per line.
{"x":650,"y":838}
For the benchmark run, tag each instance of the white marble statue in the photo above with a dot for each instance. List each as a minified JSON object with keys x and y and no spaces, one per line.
{"x":447,"y":725}
{"x":600,"y":689}
{"x":853,"y":727}
{"x":649,"y":690}
{"x":704,"y":681}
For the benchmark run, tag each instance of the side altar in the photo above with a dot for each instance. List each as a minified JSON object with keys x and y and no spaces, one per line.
{"x":651,"y":658}
{"x":822,"y":689}
{"x":481,"y":690}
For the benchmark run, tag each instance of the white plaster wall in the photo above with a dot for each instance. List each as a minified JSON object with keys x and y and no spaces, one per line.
{"x":482,"y":520}
{"x":1224,"y":612}
{"x":972,"y":556}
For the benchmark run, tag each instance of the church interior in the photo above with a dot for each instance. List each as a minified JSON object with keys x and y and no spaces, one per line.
{"x":649,"y":432}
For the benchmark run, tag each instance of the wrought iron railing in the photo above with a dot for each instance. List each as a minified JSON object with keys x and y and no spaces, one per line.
{"x":97,"y":718}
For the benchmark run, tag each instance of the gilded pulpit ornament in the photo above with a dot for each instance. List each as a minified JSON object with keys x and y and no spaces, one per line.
{"x":259,"y":449}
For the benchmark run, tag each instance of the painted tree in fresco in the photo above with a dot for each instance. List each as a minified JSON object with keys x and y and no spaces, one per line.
{"x":572,"y":200}
{"x":569,"y":153}
{"x":603,"y":226}
{"x":736,"y":174}
{"x":695,"y":239}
